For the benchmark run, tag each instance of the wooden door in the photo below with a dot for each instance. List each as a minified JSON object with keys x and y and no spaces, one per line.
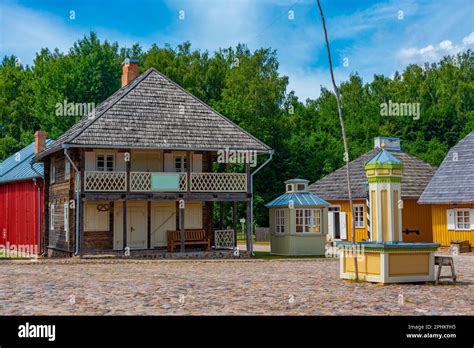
{"x":137,"y":225}
{"x":163,"y":218}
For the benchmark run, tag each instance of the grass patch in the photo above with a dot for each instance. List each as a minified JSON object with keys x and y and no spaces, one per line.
{"x":265,"y":255}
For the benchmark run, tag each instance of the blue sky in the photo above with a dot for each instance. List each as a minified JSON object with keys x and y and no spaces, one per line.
{"x":373,"y":37}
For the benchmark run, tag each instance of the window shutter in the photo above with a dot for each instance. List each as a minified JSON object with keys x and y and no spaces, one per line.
{"x":169,"y":162}
{"x":471,"y":218}
{"x":66,"y":220}
{"x":51,"y":218}
{"x":197,"y":163}
{"x":331,"y":224}
{"x":342,"y":224}
{"x":52,"y":170}
{"x":450,"y":219}
{"x":90,"y":161}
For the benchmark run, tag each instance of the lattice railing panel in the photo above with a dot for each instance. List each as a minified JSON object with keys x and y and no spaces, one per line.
{"x":183,"y":182}
{"x":140,"y":181}
{"x":224,"y":239}
{"x":219,"y":182}
{"x":105,"y":181}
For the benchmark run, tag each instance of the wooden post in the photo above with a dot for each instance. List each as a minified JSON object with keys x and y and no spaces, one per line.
{"x":124,"y":207}
{"x":181,"y":225}
{"x":128,"y":165}
{"x":249,"y":229}
{"x":148,"y":224}
{"x":249,"y":209}
{"x":46,"y":208}
{"x":82,"y":167}
{"x":234,"y":220}
{"x":188,"y":170}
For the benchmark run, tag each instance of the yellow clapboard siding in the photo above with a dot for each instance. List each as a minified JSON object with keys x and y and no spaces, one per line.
{"x":441,"y":234}
{"x":414,"y":217}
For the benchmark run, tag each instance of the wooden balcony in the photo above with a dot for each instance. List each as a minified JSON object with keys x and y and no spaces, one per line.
{"x":164,"y":182}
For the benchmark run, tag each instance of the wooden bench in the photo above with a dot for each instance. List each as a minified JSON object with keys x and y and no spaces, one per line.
{"x":441,"y":261}
{"x":191,"y":237}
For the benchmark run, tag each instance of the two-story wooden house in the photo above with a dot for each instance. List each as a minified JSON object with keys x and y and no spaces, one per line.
{"x":139,"y":167}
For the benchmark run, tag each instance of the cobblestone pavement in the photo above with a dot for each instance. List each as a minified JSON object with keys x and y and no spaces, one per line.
{"x":243,"y":287}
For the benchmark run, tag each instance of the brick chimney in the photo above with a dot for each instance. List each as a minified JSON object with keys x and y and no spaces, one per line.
{"x":40,"y":141}
{"x":129,"y":71}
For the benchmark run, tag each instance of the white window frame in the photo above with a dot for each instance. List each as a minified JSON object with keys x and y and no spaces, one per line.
{"x":463,"y":210}
{"x":52,"y":170}
{"x":315,"y":214}
{"x":67,"y":169}
{"x":359,"y":223}
{"x":335,"y":208}
{"x":183,"y":163}
{"x":105,"y":161}
{"x":66,"y":220}
{"x":51,"y":217}
{"x":279,"y":221}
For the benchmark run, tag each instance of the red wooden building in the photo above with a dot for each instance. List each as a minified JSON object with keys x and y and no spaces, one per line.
{"x":21,"y":200}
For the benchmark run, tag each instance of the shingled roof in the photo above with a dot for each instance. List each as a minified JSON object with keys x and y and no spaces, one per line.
{"x":453,"y":182}
{"x":416,"y":175}
{"x":154,"y":112}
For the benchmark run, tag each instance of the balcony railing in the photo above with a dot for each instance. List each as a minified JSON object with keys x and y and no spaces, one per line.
{"x":218,"y":182}
{"x":149,"y":182}
{"x":164,"y":182}
{"x":105,"y":181}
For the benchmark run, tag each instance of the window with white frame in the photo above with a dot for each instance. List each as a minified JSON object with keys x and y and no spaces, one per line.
{"x":335,"y":208}
{"x":67,"y":169}
{"x":66,"y":221}
{"x":104,"y":163}
{"x":359,"y":215}
{"x":279,"y":221}
{"x":463,"y":221}
{"x":52,"y":171}
{"x":308,"y":220}
{"x":180,"y":164}
{"x":51,"y":217}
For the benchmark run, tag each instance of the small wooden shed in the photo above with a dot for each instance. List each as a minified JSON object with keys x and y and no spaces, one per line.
{"x":298,"y":221}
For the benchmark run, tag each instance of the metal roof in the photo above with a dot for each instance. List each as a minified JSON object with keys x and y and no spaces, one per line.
{"x":299,"y":199}
{"x":384,"y":157}
{"x":453,"y":182}
{"x":17,"y":166}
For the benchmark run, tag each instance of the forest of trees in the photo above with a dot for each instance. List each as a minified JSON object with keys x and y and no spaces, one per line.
{"x":247,"y":87}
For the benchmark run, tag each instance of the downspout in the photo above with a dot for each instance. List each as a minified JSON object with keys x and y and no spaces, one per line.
{"x":78,"y":195}
{"x":38,"y":200}
{"x":270,"y":152}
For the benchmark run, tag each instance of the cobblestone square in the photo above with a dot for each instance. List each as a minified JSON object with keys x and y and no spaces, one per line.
{"x":218,"y":287}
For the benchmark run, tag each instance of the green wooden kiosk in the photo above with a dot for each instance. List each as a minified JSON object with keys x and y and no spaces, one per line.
{"x":298,"y":221}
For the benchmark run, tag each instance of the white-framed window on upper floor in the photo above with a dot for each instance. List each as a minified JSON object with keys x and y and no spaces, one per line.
{"x":104,"y":162}
{"x":180,"y":164}
{"x":280,"y":221}
{"x":359,"y":212}
{"x":52,"y":170}
{"x":308,"y":220}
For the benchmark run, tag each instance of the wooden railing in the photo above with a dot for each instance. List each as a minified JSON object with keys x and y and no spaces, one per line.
{"x":150,"y":182}
{"x":105,"y":181}
{"x":142,"y":182}
{"x":218,"y":182}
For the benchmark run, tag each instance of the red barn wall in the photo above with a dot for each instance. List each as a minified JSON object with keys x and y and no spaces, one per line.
{"x":19,"y":213}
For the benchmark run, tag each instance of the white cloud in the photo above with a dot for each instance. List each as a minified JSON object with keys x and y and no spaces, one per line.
{"x":431,"y":53}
